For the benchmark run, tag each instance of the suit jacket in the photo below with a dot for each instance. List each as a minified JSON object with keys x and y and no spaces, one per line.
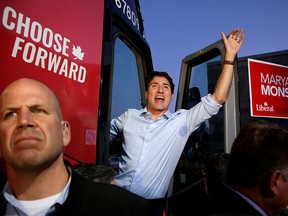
{"x":89,"y":198}
{"x":227,"y":203}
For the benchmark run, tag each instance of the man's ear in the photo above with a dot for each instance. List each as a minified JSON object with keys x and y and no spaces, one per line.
{"x":275,"y":182}
{"x":66,"y":132}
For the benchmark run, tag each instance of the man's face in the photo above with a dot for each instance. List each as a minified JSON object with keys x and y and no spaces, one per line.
{"x":31,"y":130}
{"x":159,"y":95}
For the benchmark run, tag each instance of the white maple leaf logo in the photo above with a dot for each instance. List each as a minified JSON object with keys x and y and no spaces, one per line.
{"x":77,"y":52}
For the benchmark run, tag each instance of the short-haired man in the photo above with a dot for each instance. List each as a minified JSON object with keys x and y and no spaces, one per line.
{"x":257,"y":173}
{"x":32,"y":138}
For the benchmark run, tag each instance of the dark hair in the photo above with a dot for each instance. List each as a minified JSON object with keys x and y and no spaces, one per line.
{"x":215,"y":171}
{"x":260,"y":148}
{"x":161,"y":74}
{"x":96,"y":173}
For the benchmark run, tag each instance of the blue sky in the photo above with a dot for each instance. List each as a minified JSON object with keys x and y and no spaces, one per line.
{"x":175,"y":29}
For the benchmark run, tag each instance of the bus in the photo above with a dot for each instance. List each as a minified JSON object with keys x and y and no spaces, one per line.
{"x":93,"y":54}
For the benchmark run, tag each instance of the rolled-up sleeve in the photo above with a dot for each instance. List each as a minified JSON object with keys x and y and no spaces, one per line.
{"x":116,"y":126}
{"x":211,"y":106}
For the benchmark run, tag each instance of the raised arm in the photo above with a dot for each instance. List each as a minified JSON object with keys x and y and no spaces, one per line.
{"x":232,"y":45}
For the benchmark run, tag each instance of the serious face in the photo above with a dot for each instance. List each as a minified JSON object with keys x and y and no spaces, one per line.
{"x":159,"y":95}
{"x":31,"y":127}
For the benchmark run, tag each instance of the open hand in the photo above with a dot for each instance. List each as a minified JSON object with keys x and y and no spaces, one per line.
{"x":233,"y":43}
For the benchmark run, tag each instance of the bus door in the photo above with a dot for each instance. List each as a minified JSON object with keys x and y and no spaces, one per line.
{"x":199,"y":74}
{"x":126,"y":62}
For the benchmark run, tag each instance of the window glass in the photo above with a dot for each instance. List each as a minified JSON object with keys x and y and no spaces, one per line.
{"x":126,"y":88}
{"x":209,"y":137}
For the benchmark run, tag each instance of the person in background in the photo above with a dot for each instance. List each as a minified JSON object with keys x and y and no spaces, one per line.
{"x":215,"y":172}
{"x":192,"y":201}
{"x":256,"y":180}
{"x":96,"y":173}
{"x":33,"y":136}
{"x":153,"y":138}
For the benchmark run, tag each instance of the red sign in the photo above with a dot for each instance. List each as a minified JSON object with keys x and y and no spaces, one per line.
{"x":268,"y":85}
{"x":60,"y":44}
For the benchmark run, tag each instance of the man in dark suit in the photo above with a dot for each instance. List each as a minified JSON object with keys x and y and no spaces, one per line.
{"x":257,"y":174}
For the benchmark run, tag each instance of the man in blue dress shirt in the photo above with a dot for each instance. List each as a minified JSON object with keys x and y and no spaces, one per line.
{"x":153,"y":138}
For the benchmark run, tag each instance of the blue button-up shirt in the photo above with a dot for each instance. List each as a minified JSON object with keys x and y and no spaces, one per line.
{"x":151,"y":149}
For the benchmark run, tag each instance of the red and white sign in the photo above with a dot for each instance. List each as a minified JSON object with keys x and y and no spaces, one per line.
{"x":268,"y":86}
{"x":58,"y":43}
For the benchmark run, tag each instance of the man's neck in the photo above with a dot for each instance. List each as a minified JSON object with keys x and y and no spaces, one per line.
{"x":38,"y":185}
{"x":155,"y":114}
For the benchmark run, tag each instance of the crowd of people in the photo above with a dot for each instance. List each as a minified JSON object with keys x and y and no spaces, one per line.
{"x":251,"y":180}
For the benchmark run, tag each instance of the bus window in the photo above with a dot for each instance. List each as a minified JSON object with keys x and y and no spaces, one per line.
{"x":126,"y":88}
{"x":209,"y":137}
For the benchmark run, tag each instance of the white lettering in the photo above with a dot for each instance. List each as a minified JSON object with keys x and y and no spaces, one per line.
{"x":57,"y":45}
{"x":21,"y":25}
{"x":126,"y":10}
{"x":65,"y":46}
{"x":7,"y":11}
{"x":260,"y":107}
{"x":264,"y":79}
{"x":265,"y":91}
{"x":48,"y":60}
{"x":73,"y":70}
{"x":53,"y":61}
{"x":34,"y":30}
{"x":47,"y":37}
{"x":274,"y":79}
{"x":82,"y":74}
{"x":64,"y":68}
{"x":17,"y":46}
{"x":29,"y":48}
{"x":275,"y":91}
{"x":40,"y":57}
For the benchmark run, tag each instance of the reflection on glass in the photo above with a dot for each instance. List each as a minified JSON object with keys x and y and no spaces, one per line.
{"x":126,"y":89}
{"x":204,"y":141}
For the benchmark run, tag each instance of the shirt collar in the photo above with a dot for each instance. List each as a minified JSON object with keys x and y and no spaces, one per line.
{"x":254,"y":205}
{"x":145,"y":112}
{"x":9,"y":196}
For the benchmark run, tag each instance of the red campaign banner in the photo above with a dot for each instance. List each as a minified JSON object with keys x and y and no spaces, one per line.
{"x":58,"y":44}
{"x":268,"y":86}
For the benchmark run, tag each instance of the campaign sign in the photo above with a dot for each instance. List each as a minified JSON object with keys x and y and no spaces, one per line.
{"x":268,"y":86}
